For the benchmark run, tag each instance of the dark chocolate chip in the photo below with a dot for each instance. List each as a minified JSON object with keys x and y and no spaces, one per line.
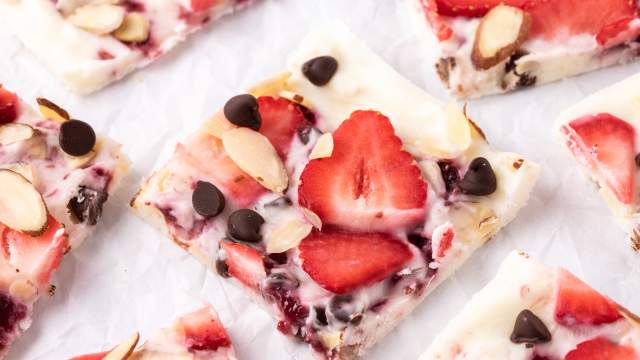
{"x":76,"y":137}
{"x":479,"y":179}
{"x":244,"y":225}
{"x":222,"y":268}
{"x":86,"y":206}
{"x":529,"y":329}
{"x":207,"y":199}
{"x":320,"y":70}
{"x":321,"y":316}
{"x":417,"y":240}
{"x":242,"y":110}
{"x":638,"y":160}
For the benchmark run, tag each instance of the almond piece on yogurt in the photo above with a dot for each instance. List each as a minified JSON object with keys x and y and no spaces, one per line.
{"x":323,"y":147}
{"x":23,"y":169}
{"x":500,"y":33}
{"x":99,"y":19}
{"x":51,"y":111}
{"x":312,"y":217}
{"x":13,"y":133}
{"x":134,"y":28}
{"x":124,"y":350}
{"x":21,"y":205}
{"x":287,"y":236}
{"x":255,"y":155}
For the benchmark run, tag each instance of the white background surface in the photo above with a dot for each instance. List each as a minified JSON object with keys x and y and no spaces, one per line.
{"x":127,"y":277}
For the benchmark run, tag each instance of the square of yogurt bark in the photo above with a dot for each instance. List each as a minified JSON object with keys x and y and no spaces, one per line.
{"x":338,"y":194}
{"x":490,"y":47}
{"x":530,"y":311}
{"x":89,"y":44}
{"x":601,"y":134}
{"x":199,"y":335}
{"x":55,"y":177}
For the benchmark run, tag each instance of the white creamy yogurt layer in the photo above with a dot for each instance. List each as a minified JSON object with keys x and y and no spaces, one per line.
{"x":74,"y":55}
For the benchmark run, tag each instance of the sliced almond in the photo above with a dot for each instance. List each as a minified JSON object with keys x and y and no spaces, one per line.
{"x":124,"y":350}
{"x":13,"y":133}
{"x":21,"y":205}
{"x":99,"y":19}
{"x":134,"y":28}
{"x":23,"y":169}
{"x":255,"y":155}
{"x":500,"y":33}
{"x":287,"y":236}
{"x":331,"y":339}
{"x":312,"y":217}
{"x":52,"y":111}
{"x":323,"y":147}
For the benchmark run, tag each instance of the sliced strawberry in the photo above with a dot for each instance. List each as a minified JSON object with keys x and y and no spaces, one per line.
{"x":96,"y":356}
{"x":442,"y":30}
{"x":472,"y":8}
{"x":245,"y":263}
{"x":606,"y":145}
{"x":206,"y":153}
{"x":601,"y":349}
{"x":281,"y":119}
{"x":203,"y":5}
{"x":579,"y":304}
{"x":617,"y":33}
{"x":37,"y":256}
{"x":553,"y":18}
{"x":8,"y":106}
{"x":203,"y":331}
{"x":342,"y":262}
{"x":369,"y":183}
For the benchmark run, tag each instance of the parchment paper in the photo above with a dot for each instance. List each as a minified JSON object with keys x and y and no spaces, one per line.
{"x":128,"y":278}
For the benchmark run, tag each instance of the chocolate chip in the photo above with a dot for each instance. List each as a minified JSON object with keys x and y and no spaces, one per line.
{"x":76,"y":137}
{"x":222,"y":268}
{"x":321,"y":316}
{"x":344,"y":308}
{"x":242,"y":110}
{"x":638,"y":160}
{"x":244,"y":225}
{"x":529,"y":329}
{"x":207,"y":199}
{"x":479,"y":179}
{"x":320,"y":70}
{"x":86,"y":206}
{"x":417,"y":240}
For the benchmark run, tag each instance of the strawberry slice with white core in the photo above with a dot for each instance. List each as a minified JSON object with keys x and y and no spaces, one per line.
{"x":342,"y":262}
{"x":601,"y":349}
{"x":281,"y":119}
{"x":606,"y":145}
{"x":369,"y":183}
{"x":579,"y":304}
{"x":245,"y":263}
{"x":37,"y":256}
{"x":203,"y":331}
{"x":472,"y":8}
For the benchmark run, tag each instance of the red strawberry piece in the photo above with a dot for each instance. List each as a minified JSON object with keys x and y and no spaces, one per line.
{"x":369,"y":183}
{"x":342,"y":262}
{"x":8,"y":106}
{"x":442,"y":30}
{"x":606,"y":145}
{"x":446,"y":240}
{"x":551,"y":18}
{"x":617,"y":33}
{"x":203,"y":331}
{"x":472,"y":8}
{"x":601,"y":349}
{"x":579,"y":304}
{"x":203,"y":5}
{"x":280,"y":120}
{"x":206,"y":153}
{"x":245,"y":263}
{"x":37,"y":256}
{"x":96,"y":356}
